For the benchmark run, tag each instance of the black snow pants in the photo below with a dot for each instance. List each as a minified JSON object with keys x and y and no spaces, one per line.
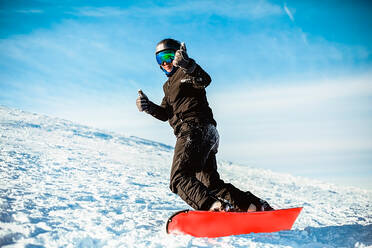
{"x":194,"y":175}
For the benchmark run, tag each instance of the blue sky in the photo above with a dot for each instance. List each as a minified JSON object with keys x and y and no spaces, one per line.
{"x":292,"y":80}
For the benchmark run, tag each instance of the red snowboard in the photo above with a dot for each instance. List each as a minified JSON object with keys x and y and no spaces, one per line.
{"x":218,"y":224}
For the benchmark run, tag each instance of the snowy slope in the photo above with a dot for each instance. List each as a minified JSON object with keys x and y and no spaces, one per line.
{"x":68,"y":185}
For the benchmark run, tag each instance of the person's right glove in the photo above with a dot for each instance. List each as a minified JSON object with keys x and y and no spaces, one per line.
{"x":142,"y":102}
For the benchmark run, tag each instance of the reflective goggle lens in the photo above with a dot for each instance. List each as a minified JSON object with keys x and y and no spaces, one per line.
{"x":166,"y":56}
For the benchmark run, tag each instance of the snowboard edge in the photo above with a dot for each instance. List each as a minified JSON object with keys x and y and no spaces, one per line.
{"x":173,"y":215}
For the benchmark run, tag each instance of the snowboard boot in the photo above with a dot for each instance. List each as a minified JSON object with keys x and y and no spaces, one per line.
{"x":257,"y":204}
{"x":221,"y":206}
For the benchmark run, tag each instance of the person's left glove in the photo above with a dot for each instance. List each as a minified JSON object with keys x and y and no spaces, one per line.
{"x":181,"y":59}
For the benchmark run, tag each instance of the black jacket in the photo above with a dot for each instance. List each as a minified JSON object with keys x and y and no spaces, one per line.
{"x":185,"y":99}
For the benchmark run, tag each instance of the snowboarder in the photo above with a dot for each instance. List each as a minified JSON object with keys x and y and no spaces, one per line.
{"x":194,"y":175}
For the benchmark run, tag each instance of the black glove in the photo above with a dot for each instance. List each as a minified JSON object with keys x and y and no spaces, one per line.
{"x":142,"y":102}
{"x":181,"y":59}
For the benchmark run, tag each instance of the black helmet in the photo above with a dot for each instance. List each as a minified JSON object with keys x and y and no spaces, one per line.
{"x":167,"y":44}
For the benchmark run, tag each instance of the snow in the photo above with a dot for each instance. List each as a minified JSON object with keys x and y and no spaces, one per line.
{"x":68,"y":185}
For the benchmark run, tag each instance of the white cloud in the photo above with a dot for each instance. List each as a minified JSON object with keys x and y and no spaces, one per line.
{"x":30,"y":11}
{"x":281,"y":96}
{"x":295,"y":123}
{"x":233,"y":9}
{"x":243,"y":9}
{"x":86,"y":72}
{"x":100,"y":11}
{"x":288,"y":12}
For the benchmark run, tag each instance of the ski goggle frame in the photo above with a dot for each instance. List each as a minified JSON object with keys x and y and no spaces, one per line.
{"x":166,"y":56}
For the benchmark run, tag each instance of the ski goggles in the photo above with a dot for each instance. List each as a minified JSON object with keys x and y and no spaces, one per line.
{"x":166,"y":56}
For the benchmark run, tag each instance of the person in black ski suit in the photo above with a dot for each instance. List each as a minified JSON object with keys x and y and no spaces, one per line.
{"x":194,"y":175}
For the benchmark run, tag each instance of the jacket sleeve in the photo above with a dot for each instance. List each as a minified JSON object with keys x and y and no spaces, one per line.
{"x":159,"y":112}
{"x":199,"y":78}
